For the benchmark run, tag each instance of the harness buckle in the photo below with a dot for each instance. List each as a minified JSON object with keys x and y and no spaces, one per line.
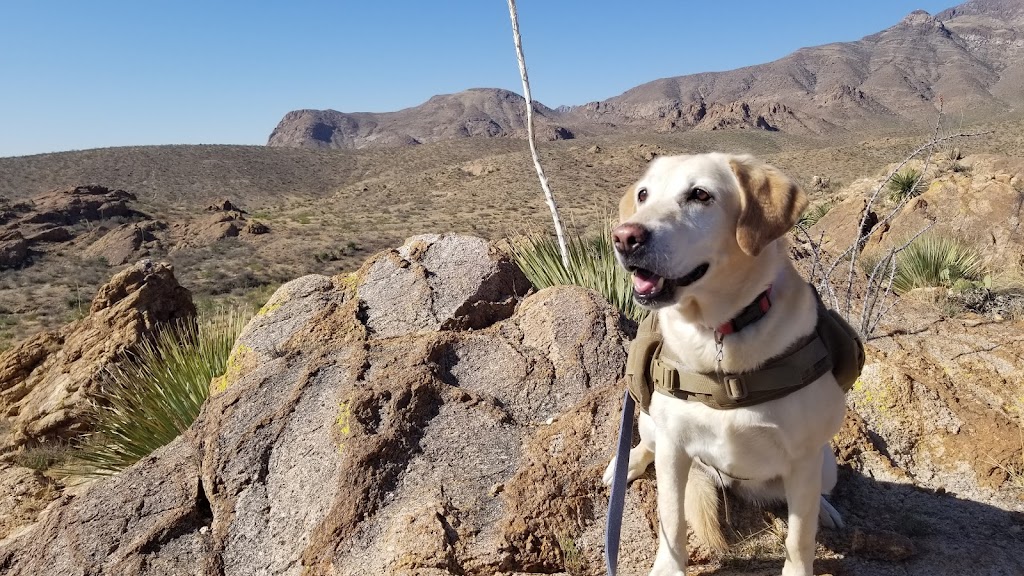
{"x":664,"y":375}
{"x":735,"y":388}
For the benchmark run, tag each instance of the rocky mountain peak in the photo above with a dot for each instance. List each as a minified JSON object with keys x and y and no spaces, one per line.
{"x":1004,"y":10}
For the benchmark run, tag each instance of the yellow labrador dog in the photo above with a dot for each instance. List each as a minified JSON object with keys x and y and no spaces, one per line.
{"x":703,"y":237}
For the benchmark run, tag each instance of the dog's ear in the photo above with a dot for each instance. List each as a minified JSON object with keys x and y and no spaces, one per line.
{"x":770,"y":204}
{"x":627,"y":205}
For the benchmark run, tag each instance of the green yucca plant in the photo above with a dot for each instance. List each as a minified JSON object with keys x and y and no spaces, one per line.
{"x":934,"y":260}
{"x":592,"y":265}
{"x":155,"y":392}
{"x":905,"y":185}
{"x":811,"y":216}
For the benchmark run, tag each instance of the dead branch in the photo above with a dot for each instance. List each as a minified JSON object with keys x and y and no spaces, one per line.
{"x":548,"y":195}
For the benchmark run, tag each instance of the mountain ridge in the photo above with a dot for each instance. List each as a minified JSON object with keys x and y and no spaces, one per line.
{"x":970,"y":57}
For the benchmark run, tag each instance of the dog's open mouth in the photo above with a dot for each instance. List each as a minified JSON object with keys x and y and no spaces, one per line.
{"x":649,"y":287}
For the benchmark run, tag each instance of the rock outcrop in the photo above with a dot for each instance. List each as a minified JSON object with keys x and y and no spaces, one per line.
{"x":71,"y":206}
{"x":978,"y":203}
{"x":128,"y":242}
{"x":46,"y":381}
{"x":224,"y":220}
{"x":82,"y":214}
{"x":365,"y":428}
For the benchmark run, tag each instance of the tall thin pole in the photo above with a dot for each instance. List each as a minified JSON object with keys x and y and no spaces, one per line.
{"x":532,"y":138}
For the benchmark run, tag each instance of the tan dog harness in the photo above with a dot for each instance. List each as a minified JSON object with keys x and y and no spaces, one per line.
{"x":833,"y":346}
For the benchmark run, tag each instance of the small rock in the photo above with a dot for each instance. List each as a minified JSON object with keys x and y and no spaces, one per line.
{"x":496,"y":489}
{"x":257,"y":227}
{"x":225,"y":206}
{"x":13,"y":251}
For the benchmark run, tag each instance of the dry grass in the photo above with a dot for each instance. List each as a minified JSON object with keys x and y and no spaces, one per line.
{"x":329,"y":210}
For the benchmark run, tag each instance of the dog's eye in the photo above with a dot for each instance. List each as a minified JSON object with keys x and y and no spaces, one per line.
{"x":641,"y":195}
{"x":700,"y":195}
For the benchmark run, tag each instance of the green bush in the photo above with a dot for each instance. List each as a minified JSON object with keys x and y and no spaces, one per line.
{"x":155,"y":393}
{"x":905,"y":185}
{"x":592,"y":265}
{"x":934,"y":260}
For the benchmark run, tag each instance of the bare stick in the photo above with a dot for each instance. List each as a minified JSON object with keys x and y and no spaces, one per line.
{"x":815,"y":251}
{"x":871,"y":298}
{"x":548,"y":196}
{"x":929,"y":146}
{"x":888,"y":292}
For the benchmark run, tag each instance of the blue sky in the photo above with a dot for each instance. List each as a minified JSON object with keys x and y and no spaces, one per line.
{"x":78,"y":74}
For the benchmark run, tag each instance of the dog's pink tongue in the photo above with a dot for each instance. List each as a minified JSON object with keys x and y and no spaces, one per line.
{"x":645,"y":282}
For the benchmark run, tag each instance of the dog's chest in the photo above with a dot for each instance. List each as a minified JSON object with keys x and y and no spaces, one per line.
{"x":740,"y":445}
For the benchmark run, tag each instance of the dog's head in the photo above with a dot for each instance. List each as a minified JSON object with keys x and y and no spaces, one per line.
{"x":690,"y":217}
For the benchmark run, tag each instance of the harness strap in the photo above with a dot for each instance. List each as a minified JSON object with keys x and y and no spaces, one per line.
{"x":783,"y":375}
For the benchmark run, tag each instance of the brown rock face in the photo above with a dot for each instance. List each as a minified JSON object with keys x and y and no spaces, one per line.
{"x":13,"y":250}
{"x":23,"y":493}
{"x":80,"y":214}
{"x":980,"y":206}
{"x":81,"y":203}
{"x":45,"y":382}
{"x":127,"y":243}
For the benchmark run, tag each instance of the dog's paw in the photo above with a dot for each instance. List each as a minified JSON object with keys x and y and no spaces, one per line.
{"x":609,"y":473}
{"x":639,"y":459}
{"x":829,"y":517}
{"x":667,"y":568}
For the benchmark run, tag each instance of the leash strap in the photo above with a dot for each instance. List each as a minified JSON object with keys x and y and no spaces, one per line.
{"x":617,"y":500}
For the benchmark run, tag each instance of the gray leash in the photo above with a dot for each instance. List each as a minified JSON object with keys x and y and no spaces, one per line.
{"x":617,"y":500}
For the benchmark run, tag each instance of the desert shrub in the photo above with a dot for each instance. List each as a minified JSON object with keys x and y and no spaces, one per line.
{"x":814,"y":213}
{"x":155,"y":392}
{"x":905,"y":185}
{"x":42,"y":457}
{"x":592,"y":265}
{"x":935,"y":260}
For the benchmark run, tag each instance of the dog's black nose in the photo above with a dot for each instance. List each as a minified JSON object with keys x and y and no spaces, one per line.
{"x":628,"y":238}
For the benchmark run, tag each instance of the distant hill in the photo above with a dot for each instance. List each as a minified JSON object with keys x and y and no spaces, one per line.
{"x":474,"y":112}
{"x":972,"y":56}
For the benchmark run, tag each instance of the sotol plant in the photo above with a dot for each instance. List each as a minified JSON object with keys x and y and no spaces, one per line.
{"x":905,"y":185}
{"x":156,"y":392}
{"x":935,"y":260}
{"x":591,"y":265}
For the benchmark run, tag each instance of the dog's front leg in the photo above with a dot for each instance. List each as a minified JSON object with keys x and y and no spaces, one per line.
{"x":803,"y":496}
{"x":672,"y":467}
